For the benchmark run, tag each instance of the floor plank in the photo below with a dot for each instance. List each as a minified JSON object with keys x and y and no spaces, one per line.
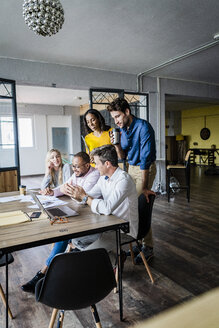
{"x":186,"y":263}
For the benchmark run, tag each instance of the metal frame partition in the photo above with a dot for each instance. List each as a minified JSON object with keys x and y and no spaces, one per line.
{"x":102,"y":97}
{"x":8,"y":92}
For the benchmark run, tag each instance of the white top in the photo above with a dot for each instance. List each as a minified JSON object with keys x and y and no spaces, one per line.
{"x":66,"y":173}
{"x":119,"y":198}
{"x":86,"y":182}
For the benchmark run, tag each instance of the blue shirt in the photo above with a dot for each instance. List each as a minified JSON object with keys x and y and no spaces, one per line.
{"x":138,"y":142}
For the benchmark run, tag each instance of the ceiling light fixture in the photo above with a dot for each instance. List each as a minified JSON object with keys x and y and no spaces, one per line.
{"x":44,"y":17}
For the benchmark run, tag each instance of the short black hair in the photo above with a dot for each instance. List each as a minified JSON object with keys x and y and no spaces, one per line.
{"x":119,"y":104}
{"x":84,"y":156}
{"x":106,"y":153}
{"x":100,"y":118}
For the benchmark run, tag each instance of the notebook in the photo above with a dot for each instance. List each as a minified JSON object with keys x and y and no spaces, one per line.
{"x":61,"y":211}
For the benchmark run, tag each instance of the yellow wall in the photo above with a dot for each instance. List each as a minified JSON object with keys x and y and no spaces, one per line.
{"x":193,"y":120}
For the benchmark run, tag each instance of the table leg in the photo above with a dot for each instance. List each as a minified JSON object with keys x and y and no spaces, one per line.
{"x":118,"y":243}
{"x":6,"y":273}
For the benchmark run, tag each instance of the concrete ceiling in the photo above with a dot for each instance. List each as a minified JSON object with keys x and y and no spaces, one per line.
{"x":179,"y":103}
{"x":51,"y":96}
{"x":130,"y":36}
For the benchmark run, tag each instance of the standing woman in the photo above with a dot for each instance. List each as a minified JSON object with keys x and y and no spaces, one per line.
{"x":98,"y":131}
{"x":56,"y":173}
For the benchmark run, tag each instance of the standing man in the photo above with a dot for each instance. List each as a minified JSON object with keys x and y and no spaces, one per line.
{"x":137,"y":144}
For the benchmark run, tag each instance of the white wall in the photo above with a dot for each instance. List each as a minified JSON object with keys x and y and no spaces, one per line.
{"x":32,"y":160}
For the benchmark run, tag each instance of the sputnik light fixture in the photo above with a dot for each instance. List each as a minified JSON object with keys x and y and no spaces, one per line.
{"x":44,"y":17}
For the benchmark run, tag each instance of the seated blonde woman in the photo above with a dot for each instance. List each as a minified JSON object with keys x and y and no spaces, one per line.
{"x":57,"y":173}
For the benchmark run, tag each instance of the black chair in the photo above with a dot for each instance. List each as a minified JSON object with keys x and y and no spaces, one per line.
{"x":180,"y":167}
{"x":75,"y":281}
{"x":144,"y":224}
{"x":2,"y":294}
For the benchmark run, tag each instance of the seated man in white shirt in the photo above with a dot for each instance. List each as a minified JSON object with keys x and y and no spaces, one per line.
{"x":84,"y":175}
{"x":118,"y":197}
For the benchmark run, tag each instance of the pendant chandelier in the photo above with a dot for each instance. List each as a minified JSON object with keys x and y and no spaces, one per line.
{"x":44,"y":17}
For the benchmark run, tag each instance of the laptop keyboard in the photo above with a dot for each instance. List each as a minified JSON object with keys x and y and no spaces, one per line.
{"x":56,"y":212}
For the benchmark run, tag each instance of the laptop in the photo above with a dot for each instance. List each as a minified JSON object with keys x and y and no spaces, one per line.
{"x":60,"y":211}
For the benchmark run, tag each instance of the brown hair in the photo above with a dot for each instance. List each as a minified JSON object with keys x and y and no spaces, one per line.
{"x":119,"y":104}
{"x":106,"y":153}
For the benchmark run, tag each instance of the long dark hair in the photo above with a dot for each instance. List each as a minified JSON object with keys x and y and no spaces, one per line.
{"x":100,"y":118}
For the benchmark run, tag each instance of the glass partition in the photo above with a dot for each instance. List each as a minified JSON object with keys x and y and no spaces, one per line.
{"x":9,"y":157}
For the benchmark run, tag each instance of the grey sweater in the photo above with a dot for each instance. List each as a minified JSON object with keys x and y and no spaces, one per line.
{"x":66,"y":174}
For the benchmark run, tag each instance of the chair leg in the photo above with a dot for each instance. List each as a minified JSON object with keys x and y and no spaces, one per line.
{"x":146,"y":266}
{"x":168,"y":184}
{"x":132,"y":253}
{"x":188,"y":194}
{"x":188,"y":187}
{"x":96,"y":316}
{"x":53,"y":318}
{"x":4,"y":301}
{"x":60,"y":319}
{"x":115,"y":290}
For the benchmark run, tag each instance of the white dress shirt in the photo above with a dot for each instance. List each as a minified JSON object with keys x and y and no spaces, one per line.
{"x":119,"y":198}
{"x":87,"y":181}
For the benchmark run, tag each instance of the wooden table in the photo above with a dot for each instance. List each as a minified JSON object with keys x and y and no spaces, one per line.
{"x":41,"y":232}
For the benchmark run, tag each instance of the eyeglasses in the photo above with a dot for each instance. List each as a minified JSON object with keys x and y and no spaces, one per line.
{"x":58,"y":219}
{"x":78,"y":166}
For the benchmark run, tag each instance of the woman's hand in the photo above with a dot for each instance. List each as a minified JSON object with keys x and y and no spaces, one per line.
{"x":91,"y":160}
{"x":49,"y":168}
{"x":47,"y":192}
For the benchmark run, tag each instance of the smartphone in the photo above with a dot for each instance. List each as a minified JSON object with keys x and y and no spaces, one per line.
{"x":35,"y":215}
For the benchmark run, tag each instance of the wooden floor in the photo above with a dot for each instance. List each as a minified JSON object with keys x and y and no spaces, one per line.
{"x":186,"y":264}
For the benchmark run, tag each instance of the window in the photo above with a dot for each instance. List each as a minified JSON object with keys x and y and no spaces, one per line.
{"x":25,"y":125}
{"x":7,"y":132}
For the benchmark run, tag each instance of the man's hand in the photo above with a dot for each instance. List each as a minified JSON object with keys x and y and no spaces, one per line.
{"x":148,"y":192}
{"x":47,"y":192}
{"x":66,"y":189}
{"x":111,"y":137}
{"x":75,"y":192}
{"x":78,"y":193}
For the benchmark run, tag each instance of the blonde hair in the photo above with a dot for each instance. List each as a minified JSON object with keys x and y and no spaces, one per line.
{"x":52,"y":171}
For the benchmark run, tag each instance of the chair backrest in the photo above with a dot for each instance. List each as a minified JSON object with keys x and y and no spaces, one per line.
{"x":76,"y":280}
{"x":144,"y":213}
{"x":187,"y":156}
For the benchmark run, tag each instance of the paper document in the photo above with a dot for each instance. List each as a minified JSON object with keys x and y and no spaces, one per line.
{"x":10,"y":199}
{"x":15,"y":217}
{"x":48,"y":204}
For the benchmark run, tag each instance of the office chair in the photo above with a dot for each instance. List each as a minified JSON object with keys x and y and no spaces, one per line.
{"x":144,"y":224}
{"x":2,"y":294}
{"x":186,"y":168}
{"x":76,"y":280}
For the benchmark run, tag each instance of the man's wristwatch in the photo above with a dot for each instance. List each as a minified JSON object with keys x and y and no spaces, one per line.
{"x":84,"y":200}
